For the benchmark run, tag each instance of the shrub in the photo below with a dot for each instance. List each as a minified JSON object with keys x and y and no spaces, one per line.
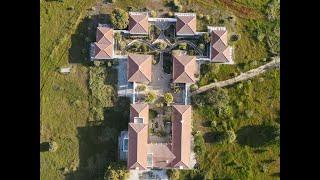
{"x":231,"y":136}
{"x":234,"y":37}
{"x":161,"y":45}
{"x":200,"y":16}
{"x":191,"y":52}
{"x":273,"y":10}
{"x":116,"y":171}
{"x":176,"y":90}
{"x":205,"y":38}
{"x":213,"y":124}
{"x":179,"y":8}
{"x":182,"y":46}
{"x":173,"y":174}
{"x":201,"y":46}
{"x":117,"y":36}
{"x":153,"y":13}
{"x":170,"y":14}
{"x":199,"y":144}
{"x":168,"y":98}
{"x":193,"y":87}
{"x":119,"y":19}
{"x":144,"y":48}
{"x":207,"y":17}
{"x":141,"y":87}
{"x":122,"y":45}
{"x":150,"y":97}
{"x":53,"y":146}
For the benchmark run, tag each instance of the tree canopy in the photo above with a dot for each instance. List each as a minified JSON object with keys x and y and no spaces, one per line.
{"x":119,"y":19}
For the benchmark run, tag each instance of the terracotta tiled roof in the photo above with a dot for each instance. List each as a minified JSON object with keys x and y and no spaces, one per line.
{"x":138,"y":23}
{"x":103,"y":51}
{"x":184,"y":68}
{"x":186,"y":24}
{"x":139,"y":110}
{"x":139,"y":68}
{"x":104,"y":35}
{"x":181,"y":136}
{"x":162,"y":156}
{"x":220,"y":51}
{"x":137,"y":149}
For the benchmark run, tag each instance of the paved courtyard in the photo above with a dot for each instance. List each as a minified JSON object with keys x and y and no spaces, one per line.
{"x":160,"y":80}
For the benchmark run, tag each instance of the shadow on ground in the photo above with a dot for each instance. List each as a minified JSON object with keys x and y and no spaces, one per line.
{"x":257,"y":135}
{"x":213,"y":137}
{"x":83,"y":36}
{"x":44,"y":146}
{"x":98,"y":142}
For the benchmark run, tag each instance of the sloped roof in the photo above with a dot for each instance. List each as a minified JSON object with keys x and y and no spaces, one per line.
{"x":184,"y":68}
{"x":138,"y":23}
{"x":181,"y":136}
{"x":161,"y":155}
{"x":186,"y":24}
{"x":139,"y":68}
{"x":220,"y":51}
{"x":104,"y":35}
{"x":139,"y":110}
{"x":137,"y":149}
{"x":103,"y":51}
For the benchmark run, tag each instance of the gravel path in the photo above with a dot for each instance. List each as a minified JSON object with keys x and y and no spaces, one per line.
{"x":275,"y":63}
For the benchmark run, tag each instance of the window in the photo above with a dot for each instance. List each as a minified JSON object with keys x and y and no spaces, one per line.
{"x":138,"y":120}
{"x":125,"y":145}
{"x":149,"y":160}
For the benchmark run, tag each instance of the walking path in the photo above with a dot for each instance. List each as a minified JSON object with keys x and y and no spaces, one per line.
{"x":275,"y":63}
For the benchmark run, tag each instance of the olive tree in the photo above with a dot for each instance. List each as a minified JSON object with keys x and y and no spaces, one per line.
{"x":168,"y":98}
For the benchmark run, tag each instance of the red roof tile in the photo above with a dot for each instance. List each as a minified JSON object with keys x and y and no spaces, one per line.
{"x":184,"y":68}
{"x":103,"y":51}
{"x":138,"y":23}
{"x":139,"y":68}
{"x":186,"y":24}
{"x":139,"y":110}
{"x":220,"y":51}
{"x":137,"y":149}
{"x":181,"y":136}
{"x":104,"y":35}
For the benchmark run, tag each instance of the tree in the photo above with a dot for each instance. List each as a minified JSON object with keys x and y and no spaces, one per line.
{"x":217,"y":98}
{"x":119,"y":19}
{"x":116,"y":171}
{"x":168,"y":98}
{"x":150,"y":97}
